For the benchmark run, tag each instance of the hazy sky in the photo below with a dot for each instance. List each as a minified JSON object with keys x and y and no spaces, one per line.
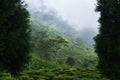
{"x":80,"y":13}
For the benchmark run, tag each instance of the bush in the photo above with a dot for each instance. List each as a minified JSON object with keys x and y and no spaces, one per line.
{"x":25,"y":78}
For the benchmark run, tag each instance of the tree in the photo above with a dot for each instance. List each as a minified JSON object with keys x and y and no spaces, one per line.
{"x":14,"y":36}
{"x":108,"y":40}
{"x":70,"y":61}
{"x":46,"y":41}
{"x":59,"y":43}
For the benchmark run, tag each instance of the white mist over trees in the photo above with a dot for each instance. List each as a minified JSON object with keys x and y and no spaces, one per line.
{"x":76,"y":18}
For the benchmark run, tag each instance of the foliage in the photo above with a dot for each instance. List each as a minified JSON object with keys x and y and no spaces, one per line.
{"x":57,"y":47}
{"x":14,"y":36}
{"x":78,"y":73}
{"x":45,"y":42}
{"x":70,"y":61}
{"x":108,"y":40}
{"x":37,"y":63}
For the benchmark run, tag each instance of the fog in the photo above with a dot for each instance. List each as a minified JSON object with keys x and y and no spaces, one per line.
{"x":80,"y":13}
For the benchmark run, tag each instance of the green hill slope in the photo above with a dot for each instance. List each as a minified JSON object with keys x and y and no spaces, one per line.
{"x":75,"y":48}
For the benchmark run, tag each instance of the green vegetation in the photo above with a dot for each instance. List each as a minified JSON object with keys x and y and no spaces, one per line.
{"x":30,"y":50}
{"x":55,"y":47}
{"x":70,"y":61}
{"x":14,"y":36}
{"x":108,"y":39}
{"x":57,"y":74}
{"x":64,"y":57}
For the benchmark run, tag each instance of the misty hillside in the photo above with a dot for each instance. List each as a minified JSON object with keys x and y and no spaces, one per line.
{"x":53,"y":20}
{"x":48,"y":23}
{"x":43,"y":46}
{"x":42,"y":15}
{"x":53,"y":40}
{"x":76,"y":48}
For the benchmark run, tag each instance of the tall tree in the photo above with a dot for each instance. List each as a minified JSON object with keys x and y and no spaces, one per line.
{"x":108,"y":39}
{"x":14,"y":36}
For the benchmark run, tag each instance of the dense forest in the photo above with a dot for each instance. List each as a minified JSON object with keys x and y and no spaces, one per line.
{"x":40,"y":45}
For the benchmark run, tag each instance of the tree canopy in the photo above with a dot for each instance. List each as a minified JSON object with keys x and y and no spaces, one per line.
{"x":108,"y":40}
{"x":14,"y":36}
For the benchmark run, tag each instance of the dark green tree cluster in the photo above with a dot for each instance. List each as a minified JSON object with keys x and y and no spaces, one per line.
{"x":70,"y":61}
{"x":108,"y":40}
{"x":14,"y":36}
